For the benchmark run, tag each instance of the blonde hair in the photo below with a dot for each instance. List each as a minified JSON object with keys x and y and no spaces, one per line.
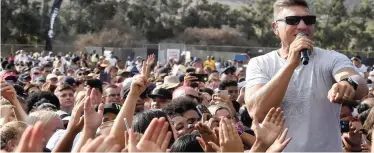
{"x":11,"y":131}
{"x":214,"y":108}
{"x":43,"y":115}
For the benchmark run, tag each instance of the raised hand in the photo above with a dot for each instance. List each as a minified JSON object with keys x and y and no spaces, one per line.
{"x":140,"y":82}
{"x":229,"y":139}
{"x":31,"y":140}
{"x":270,"y":129}
{"x":101,"y":144}
{"x":207,"y":135}
{"x":6,"y":111}
{"x":10,"y":94}
{"x":188,"y":79}
{"x":76,"y":122}
{"x":8,"y":91}
{"x":92,"y":119}
{"x":150,"y":62}
{"x":155,"y":139}
{"x":352,"y":139}
{"x":280,"y":143}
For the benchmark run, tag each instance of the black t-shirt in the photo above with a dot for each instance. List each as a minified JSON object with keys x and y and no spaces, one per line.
{"x":236,"y":105}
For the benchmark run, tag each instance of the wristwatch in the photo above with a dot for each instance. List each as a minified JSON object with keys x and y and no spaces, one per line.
{"x":352,"y":82}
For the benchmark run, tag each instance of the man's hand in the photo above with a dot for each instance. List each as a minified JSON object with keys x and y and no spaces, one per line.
{"x":8,"y":91}
{"x":76,"y":122}
{"x":340,"y":92}
{"x":140,"y":82}
{"x":295,"y":49}
{"x":92,"y":119}
{"x":6,"y":111}
{"x":31,"y":139}
{"x":101,"y":144}
{"x":188,"y":79}
{"x":150,"y":62}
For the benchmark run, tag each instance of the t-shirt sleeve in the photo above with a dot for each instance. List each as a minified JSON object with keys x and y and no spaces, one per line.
{"x":255,"y":74}
{"x":340,"y":61}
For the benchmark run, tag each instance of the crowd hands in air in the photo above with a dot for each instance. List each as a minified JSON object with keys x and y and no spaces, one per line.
{"x":270,"y":135}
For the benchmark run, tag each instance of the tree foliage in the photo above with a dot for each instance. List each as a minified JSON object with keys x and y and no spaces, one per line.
{"x":122,"y":22}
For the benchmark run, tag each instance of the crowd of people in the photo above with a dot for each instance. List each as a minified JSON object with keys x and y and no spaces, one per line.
{"x":270,"y":103}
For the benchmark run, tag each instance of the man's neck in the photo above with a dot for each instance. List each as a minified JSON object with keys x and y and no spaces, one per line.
{"x":283,"y":51}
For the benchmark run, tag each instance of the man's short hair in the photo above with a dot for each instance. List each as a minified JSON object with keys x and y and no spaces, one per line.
{"x":280,"y":4}
{"x":227,"y":83}
{"x":107,"y":87}
{"x":63,"y":87}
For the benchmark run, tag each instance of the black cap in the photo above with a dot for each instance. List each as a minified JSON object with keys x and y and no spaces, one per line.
{"x":69,"y":80}
{"x":161,"y":92}
{"x":230,"y":69}
{"x":20,"y":91}
{"x":112,"y":108}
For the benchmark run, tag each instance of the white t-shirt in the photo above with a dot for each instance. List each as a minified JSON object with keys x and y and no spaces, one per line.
{"x":362,"y":70}
{"x":112,"y":61}
{"x":313,"y":121}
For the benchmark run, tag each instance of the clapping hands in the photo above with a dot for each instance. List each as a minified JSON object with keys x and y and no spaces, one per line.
{"x":229,"y":139}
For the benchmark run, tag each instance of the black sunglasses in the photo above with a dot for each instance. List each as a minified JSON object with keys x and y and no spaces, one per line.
{"x":295,"y":20}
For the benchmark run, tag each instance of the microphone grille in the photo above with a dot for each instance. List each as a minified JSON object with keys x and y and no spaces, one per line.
{"x":300,"y":34}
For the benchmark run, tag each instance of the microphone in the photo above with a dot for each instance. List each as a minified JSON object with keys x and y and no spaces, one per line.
{"x":304,"y":52}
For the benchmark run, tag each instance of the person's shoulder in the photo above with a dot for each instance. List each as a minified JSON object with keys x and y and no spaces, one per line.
{"x":327,"y":53}
{"x":266,"y":57}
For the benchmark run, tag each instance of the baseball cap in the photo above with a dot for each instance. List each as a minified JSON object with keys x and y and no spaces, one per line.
{"x":170,"y":82}
{"x":51,"y":76}
{"x":20,"y":91}
{"x":161,"y":92}
{"x":10,"y":76}
{"x":230,"y":69}
{"x":40,"y":79}
{"x":69,"y":80}
{"x":126,"y":84}
{"x":111,"y":108}
{"x":24,"y":77}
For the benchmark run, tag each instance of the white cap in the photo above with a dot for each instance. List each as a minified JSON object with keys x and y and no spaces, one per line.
{"x":50,"y":76}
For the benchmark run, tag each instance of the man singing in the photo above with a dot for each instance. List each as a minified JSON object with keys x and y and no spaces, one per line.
{"x":310,"y":95}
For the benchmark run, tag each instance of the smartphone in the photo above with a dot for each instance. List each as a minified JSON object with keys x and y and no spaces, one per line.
{"x":224,"y":93}
{"x":344,"y":126}
{"x":200,"y":77}
{"x":203,"y":109}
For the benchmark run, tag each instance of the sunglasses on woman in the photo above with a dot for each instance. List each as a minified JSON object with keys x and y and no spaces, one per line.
{"x":295,"y":20}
